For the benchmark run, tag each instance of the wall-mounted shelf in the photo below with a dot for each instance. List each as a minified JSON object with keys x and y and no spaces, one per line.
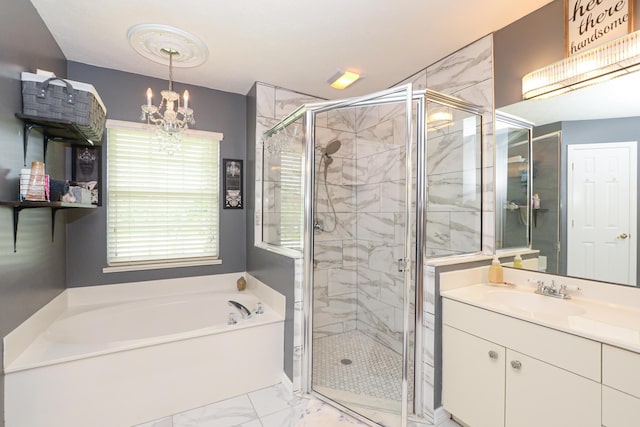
{"x":18,"y":206}
{"x":52,"y":130}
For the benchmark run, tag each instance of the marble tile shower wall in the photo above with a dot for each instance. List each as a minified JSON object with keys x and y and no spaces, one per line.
{"x":466,"y":74}
{"x":272,"y":105}
{"x":335,"y":272}
{"x":381,"y":159}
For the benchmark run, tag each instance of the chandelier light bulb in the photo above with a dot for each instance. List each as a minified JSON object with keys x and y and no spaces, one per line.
{"x":169,"y":116}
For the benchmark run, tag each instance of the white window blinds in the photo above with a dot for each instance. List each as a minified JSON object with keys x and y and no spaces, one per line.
{"x":161,"y":207}
{"x":292,"y":201}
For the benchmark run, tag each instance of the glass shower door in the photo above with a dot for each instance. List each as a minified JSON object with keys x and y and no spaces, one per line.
{"x":362,"y":321}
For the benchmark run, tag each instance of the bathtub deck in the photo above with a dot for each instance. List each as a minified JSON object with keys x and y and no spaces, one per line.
{"x":46,"y":350}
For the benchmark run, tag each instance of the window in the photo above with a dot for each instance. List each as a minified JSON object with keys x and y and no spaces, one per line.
{"x":292,"y":199}
{"x":162,"y":209}
{"x":282,"y":195}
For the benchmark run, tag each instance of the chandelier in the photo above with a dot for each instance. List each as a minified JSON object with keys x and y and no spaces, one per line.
{"x":169,"y":116}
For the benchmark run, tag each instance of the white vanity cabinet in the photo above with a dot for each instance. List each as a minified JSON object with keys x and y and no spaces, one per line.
{"x":499,"y":371}
{"x":620,"y":387}
{"x":473,"y":378}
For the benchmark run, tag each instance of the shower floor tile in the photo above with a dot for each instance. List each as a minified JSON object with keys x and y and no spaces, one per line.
{"x":356,"y":363}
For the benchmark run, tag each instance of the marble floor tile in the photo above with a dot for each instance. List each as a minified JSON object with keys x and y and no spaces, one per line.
{"x":310,"y":413}
{"x":236,"y":411}
{"x":268,"y":407}
{"x":164,"y":422}
{"x":272,"y":399}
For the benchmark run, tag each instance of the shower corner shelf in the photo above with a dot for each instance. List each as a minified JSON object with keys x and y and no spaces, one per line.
{"x":52,"y":130}
{"x":18,"y":206}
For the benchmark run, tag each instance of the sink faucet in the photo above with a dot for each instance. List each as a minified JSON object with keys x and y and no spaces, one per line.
{"x":552,"y":291}
{"x":245,"y":313}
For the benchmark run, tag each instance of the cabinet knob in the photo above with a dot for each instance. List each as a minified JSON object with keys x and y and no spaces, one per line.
{"x":516,"y":364}
{"x":493,"y":354}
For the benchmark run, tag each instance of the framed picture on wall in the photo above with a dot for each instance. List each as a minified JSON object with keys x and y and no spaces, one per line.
{"x":232,"y":186}
{"x":591,"y":23}
{"x":86,"y":170}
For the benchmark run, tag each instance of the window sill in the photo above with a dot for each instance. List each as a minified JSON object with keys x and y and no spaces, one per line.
{"x":159,"y":266}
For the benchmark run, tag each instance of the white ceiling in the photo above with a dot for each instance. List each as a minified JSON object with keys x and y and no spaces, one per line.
{"x":296,"y":44}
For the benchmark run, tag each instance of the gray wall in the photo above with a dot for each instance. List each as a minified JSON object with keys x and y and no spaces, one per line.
{"x":123,"y":93}
{"x":274,"y":270}
{"x":35,"y":274}
{"x":532,"y":42}
{"x":545,"y":178}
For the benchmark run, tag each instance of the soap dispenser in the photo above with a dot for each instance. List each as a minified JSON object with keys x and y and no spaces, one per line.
{"x":517,"y":261}
{"x":495,"y":271}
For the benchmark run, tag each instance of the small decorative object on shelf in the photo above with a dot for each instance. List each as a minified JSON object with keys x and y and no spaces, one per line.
{"x":36,"y":188}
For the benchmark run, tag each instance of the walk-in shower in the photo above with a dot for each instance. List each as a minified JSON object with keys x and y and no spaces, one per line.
{"x":386,"y":184}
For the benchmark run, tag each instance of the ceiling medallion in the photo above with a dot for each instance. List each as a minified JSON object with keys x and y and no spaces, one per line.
{"x":153,"y":40}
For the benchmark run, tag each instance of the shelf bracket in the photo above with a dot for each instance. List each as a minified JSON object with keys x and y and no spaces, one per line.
{"x":16,"y":217}
{"x":45,"y":143}
{"x":25,"y":139}
{"x":46,"y":137}
{"x":53,"y":223}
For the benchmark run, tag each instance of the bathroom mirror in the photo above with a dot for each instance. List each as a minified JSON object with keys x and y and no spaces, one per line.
{"x":575,"y":136}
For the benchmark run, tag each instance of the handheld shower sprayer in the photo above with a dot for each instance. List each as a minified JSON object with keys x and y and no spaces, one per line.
{"x":331,"y":148}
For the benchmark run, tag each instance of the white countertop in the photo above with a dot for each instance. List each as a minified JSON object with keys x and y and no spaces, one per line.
{"x":609,"y":323}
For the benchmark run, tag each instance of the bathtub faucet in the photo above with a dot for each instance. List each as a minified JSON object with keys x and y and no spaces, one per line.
{"x":244,"y":311}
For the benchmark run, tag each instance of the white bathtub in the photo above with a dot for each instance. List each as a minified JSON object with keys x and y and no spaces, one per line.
{"x":114,"y":356}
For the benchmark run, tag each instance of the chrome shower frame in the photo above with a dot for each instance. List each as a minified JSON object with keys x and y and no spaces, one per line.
{"x":415,"y":252}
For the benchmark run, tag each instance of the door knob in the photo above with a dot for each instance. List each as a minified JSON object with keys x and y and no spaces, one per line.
{"x":623,"y":236}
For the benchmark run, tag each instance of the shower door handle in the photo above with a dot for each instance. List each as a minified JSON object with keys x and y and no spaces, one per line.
{"x":403,"y":265}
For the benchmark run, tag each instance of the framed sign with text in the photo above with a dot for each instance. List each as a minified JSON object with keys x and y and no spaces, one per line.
{"x":589,"y":23}
{"x":232,"y":170}
{"x":86,"y":170}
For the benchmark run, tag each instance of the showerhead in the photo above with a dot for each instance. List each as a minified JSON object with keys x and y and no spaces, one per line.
{"x":332,"y":147}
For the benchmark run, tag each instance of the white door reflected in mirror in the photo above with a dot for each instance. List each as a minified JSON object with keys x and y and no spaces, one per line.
{"x":601,"y":209}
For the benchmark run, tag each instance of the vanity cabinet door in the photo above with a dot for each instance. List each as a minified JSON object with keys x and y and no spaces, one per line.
{"x":472,"y":378}
{"x":619,"y":409}
{"x":539,"y":394}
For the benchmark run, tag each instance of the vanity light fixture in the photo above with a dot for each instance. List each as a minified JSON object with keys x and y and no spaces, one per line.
{"x":604,"y":62}
{"x":343,"y":79}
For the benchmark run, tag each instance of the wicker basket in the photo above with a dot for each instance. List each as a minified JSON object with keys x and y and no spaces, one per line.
{"x":60,"y":99}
